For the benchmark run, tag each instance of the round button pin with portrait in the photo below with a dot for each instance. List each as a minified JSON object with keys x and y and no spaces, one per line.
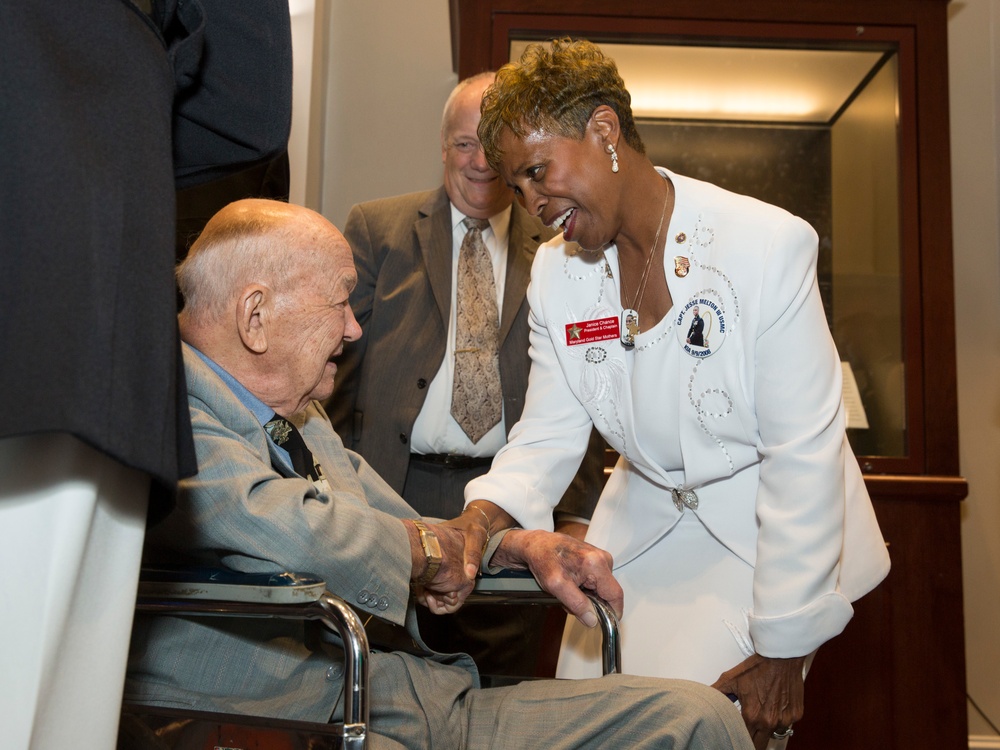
{"x":701,"y":325}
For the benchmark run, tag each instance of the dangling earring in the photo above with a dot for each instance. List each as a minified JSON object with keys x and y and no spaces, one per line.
{"x":614,"y":157}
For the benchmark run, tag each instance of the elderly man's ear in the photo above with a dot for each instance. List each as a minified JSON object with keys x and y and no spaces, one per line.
{"x":254,"y":316}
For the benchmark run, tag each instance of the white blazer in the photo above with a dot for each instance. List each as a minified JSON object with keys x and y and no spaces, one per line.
{"x":761,"y":427}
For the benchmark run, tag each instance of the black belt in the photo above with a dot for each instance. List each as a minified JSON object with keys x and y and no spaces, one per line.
{"x":452,"y":461}
{"x":387,"y":636}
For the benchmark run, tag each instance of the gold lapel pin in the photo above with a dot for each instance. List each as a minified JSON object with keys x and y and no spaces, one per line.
{"x":681,"y":266}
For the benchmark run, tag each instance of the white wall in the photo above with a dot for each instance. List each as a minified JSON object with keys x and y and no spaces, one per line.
{"x":389,"y":75}
{"x":303,"y":13}
{"x":389,"y":72}
{"x":974,"y":36}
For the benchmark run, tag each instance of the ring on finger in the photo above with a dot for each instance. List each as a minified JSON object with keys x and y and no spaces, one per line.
{"x":783,"y":734}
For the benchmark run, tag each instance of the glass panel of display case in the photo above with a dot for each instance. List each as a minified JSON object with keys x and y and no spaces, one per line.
{"x":814,"y":131}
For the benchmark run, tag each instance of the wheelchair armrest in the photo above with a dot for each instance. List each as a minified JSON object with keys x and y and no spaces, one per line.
{"x":509,"y":581}
{"x":520,"y":587}
{"x":197,"y":582}
{"x":218,"y":592}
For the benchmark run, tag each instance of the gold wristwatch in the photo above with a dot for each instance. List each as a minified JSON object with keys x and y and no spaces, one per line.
{"x":432,"y":551}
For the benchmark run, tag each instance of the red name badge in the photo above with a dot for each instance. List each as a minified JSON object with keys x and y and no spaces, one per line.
{"x":586,"y":331}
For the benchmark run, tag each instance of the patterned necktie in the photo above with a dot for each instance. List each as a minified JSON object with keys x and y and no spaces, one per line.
{"x":476,"y":402}
{"x":286,"y":435}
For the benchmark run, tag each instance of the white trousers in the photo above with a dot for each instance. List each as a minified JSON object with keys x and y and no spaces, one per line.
{"x":72,"y":522}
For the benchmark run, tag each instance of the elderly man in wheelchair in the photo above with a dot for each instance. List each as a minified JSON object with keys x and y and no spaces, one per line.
{"x":266,"y":313}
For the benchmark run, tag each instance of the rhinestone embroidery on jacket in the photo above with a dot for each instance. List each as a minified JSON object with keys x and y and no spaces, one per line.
{"x":603,"y":377}
{"x":696,"y":402}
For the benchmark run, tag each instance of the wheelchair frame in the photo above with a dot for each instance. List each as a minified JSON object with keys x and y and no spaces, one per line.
{"x":300,"y":596}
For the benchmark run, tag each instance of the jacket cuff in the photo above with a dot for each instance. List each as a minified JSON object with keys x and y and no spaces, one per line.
{"x":803,"y":631}
{"x":495,"y":540}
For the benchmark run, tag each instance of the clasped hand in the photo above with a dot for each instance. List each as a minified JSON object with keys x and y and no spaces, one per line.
{"x":561,"y":564}
{"x":456,"y":577}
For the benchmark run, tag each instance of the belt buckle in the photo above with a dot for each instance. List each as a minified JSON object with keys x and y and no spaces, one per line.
{"x":684,"y":498}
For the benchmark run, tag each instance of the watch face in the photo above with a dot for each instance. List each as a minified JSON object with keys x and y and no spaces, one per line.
{"x":432,"y":551}
{"x":429,"y":542}
{"x":432,"y":547}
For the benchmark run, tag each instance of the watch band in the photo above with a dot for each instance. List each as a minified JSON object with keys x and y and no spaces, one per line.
{"x":432,"y":552}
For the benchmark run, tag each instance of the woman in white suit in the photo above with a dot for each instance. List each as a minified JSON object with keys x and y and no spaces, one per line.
{"x":737,"y":516}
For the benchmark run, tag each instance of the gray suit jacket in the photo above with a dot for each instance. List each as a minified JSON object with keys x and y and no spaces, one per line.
{"x":403,"y":253}
{"x":242,"y":512}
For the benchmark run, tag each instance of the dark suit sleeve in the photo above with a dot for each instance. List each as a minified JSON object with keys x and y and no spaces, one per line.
{"x":342,"y":405}
{"x":238,"y":112}
{"x":585,"y":490}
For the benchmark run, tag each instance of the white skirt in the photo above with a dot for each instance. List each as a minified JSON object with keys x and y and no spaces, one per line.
{"x":686,"y":605}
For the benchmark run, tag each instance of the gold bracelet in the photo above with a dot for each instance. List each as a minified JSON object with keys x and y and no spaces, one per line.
{"x":489,"y":523}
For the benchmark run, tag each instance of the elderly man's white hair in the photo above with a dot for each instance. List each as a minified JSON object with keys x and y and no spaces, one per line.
{"x":242,"y":244}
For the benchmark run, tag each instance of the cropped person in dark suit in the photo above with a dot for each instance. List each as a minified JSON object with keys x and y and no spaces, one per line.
{"x":91,"y":387}
{"x":394,"y":393}
{"x":104,"y":115}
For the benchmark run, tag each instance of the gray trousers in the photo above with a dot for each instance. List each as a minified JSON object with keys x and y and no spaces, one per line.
{"x":417,"y":703}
